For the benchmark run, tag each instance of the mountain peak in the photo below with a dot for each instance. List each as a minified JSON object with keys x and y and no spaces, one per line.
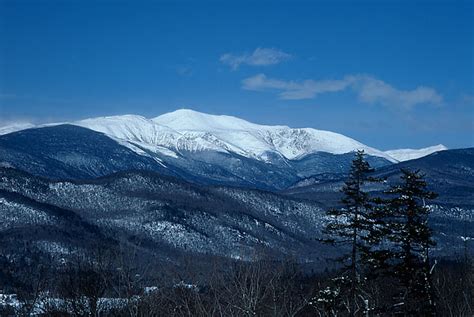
{"x":259,"y":141}
{"x":191,"y":120}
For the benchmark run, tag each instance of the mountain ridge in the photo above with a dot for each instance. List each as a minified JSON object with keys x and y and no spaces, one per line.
{"x":75,"y":152}
{"x":193,"y":131}
{"x":186,"y":129}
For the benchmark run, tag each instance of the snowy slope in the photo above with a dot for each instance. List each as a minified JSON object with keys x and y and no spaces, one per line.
{"x":411,"y":154}
{"x":191,"y":131}
{"x":257,"y":141}
{"x":135,"y":132}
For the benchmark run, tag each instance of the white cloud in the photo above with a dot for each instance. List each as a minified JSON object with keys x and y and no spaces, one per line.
{"x":373,"y":91}
{"x":294,"y":90}
{"x":368,"y":89}
{"x":184,"y":70}
{"x":259,"y":57}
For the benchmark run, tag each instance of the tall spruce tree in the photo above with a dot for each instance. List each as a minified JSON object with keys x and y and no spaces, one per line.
{"x":410,"y":239}
{"x":349,"y":226}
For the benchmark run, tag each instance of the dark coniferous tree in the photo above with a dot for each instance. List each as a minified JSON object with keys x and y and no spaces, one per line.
{"x":410,"y":239}
{"x":350,"y":226}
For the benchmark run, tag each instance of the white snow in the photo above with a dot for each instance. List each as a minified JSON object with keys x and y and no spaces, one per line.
{"x":13,"y":127}
{"x":132,"y":128}
{"x":192,"y":131}
{"x":411,"y":154}
{"x":253,"y":140}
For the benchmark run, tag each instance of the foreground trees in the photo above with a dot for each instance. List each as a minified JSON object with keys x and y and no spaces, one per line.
{"x":389,"y":241}
{"x":409,"y":241}
{"x":350,"y":226}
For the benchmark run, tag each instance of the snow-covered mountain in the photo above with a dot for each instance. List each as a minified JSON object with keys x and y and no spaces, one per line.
{"x":186,"y":130}
{"x":198,"y":147}
{"x":255,"y":141}
{"x":192,"y":131}
{"x":411,"y":154}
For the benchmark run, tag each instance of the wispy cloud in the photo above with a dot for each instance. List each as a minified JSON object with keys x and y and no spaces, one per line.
{"x":259,"y":57}
{"x":306,"y":89}
{"x":184,"y":70}
{"x":368,"y":89}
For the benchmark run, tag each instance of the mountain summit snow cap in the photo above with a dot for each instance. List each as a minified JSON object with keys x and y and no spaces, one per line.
{"x":256,"y":141}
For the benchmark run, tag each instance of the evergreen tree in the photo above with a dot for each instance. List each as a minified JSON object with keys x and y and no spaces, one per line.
{"x":349,"y":226}
{"x":410,"y":239}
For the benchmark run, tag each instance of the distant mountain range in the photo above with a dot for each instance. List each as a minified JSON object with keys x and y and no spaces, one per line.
{"x":197,"y":147}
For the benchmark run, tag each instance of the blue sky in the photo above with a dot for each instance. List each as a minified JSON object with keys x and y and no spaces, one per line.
{"x":390,"y":74}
